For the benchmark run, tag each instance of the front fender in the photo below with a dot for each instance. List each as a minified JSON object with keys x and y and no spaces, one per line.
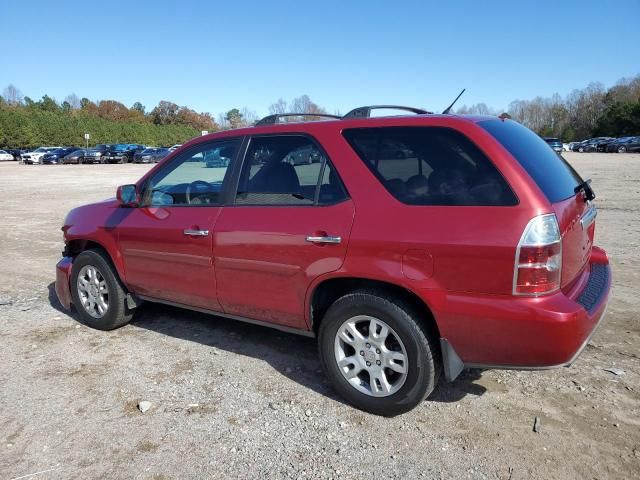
{"x":97,"y":224}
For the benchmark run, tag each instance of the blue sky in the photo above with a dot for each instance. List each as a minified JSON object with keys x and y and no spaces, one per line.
{"x":213,"y":56}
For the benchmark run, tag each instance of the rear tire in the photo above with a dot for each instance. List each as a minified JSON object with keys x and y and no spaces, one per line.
{"x":581,"y":150}
{"x":409,"y":340}
{"x":622,"y":149}
{"x":97,"y":292}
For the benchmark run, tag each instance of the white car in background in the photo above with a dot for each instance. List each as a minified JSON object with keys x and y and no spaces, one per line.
{"x":5,"y":157}
{"x":35,"y":156}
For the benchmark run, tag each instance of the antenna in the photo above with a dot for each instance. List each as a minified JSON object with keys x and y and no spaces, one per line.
{"x":454,"y":102}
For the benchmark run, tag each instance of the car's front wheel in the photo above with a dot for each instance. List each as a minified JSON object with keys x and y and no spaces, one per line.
{"x":376,"y":353}
{"x":622,"y":149}
{"x":98,"y":293}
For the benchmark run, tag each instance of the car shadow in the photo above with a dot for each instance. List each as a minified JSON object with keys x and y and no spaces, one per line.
{"x":293,"y":356}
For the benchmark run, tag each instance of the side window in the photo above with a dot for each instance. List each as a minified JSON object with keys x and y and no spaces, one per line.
{"x":194,"y":178}
{"x":287,"y":170}
{"x":430,"y":166}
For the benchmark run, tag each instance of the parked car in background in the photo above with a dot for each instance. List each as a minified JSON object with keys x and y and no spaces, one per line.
{"x":565,"y":147}
{"x":587,"y":145}
{"x":624,"y":145}
{"x":76,"y":156}
{"x":554,"y":143}
{"x":600,"y":145}
{"x":17,"y":152}
{"x":55,"y":157}
{"x":174,"y":147}
{"x":5,"y":156}
{"x":122,"y":153}
{"x":35,"y":156}
{"x":338,"y":249}
{"x":150,"y":155}
{"x":96,"y":154}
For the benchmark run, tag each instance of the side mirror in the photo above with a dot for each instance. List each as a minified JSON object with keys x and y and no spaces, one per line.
{"x":127,"y":196}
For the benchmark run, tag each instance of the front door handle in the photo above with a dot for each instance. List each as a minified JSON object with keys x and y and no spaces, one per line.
{"x":326,"y":239}
{"x":196,"y":233}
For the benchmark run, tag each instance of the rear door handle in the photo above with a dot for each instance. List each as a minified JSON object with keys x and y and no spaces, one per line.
{"x":327,"y":239}
{"x":196,"y":233}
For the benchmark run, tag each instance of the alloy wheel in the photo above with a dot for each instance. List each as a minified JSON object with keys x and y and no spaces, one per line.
{"x":371,"y":356}
{"x":93,"y":291}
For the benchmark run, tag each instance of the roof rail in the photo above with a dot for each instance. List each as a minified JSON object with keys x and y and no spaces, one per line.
{"x":365,"y":112}
{"x":273,"y":119}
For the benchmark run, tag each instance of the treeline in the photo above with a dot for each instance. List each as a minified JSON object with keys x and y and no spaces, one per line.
{"x":28,"y":123}
{"x":589,"y":112}
{"x":592,"y":111}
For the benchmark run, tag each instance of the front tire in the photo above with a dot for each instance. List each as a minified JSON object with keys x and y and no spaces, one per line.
{"x":97,"y":292}
{"x":376,"y":354}
{"x":622,"y":149}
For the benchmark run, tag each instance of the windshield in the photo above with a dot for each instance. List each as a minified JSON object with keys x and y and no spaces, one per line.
{"x":40,"y":150}
{"x":149,"y":150}
{"x":120,"y":147}
{"x":555,"y":177}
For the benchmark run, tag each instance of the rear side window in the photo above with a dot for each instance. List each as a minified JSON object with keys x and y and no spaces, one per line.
{"x":555,"y":177}
{"x":430,"y":166}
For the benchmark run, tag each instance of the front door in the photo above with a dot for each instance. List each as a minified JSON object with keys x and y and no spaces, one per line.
{"x":167,"y":242}
{"x":290,"y":223}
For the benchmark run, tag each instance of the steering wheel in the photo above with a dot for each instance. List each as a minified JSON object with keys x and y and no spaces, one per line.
{"x":196,"y":188}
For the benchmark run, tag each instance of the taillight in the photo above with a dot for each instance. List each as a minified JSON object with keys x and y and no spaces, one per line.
{"x":538,"y":257}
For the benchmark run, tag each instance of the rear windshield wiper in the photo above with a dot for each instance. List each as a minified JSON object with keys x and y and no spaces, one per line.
{"x":585,"y":188}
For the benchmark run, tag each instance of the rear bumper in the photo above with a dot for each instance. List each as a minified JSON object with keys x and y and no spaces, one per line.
{"x":63,"y":281}
{"x":524,"y":333}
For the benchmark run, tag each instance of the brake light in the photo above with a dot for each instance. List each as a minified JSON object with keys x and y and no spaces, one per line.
{"x":538,"y":260}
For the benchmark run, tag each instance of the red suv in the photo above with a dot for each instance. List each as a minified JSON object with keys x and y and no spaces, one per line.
{"x":411,"y":246}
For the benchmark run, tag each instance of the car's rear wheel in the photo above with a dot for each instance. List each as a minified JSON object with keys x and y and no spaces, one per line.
{"x":622,"y":149}
{"x":97,"y":293}
{"x":376,"y":354}
{"x":581,"y":149}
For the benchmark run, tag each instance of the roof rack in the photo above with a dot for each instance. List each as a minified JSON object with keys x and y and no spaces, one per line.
{"x":273,"y":119}
{"x":365,"y":112}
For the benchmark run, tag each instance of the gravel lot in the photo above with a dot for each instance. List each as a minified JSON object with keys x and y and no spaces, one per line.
{"x":236,"y":400}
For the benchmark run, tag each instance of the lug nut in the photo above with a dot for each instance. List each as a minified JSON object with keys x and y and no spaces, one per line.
{"x":368,"y":345}
{"x":362,"y":352}
{"x":368,"y":364}
{"x":378,"y":362}
{"x":378,"y":351}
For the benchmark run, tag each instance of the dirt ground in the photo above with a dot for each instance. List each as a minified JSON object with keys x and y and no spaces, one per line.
{"x":236,"y":400}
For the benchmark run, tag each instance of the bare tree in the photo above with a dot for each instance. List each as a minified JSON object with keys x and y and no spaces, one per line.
{"x":249,"y":117}
{"x":279,"y":107}
{"x":73,"y":101}
{"x":12,"y":95}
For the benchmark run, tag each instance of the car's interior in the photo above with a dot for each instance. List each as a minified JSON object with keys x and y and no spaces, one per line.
{"x":285,"y":170}
{"x":431,"y":166}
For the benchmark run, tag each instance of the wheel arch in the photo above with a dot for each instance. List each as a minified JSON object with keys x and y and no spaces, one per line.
{"x":78,"y":245}
{"x":330,"y":289}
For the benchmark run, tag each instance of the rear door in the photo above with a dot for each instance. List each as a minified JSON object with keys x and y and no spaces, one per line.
{"x":290,"y":222}
{"x":167,"y":242}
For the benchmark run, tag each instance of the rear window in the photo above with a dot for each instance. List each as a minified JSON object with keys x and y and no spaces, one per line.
{"x":430,"y":166}
{"x":555,"y":177}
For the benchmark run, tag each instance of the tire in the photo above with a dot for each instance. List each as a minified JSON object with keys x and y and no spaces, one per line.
{"x":422,"y":354}
{"x":117,"y":313}
{"x":124,"y":159}
{"x":581,"y":149}
{"x":622,"y":149}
